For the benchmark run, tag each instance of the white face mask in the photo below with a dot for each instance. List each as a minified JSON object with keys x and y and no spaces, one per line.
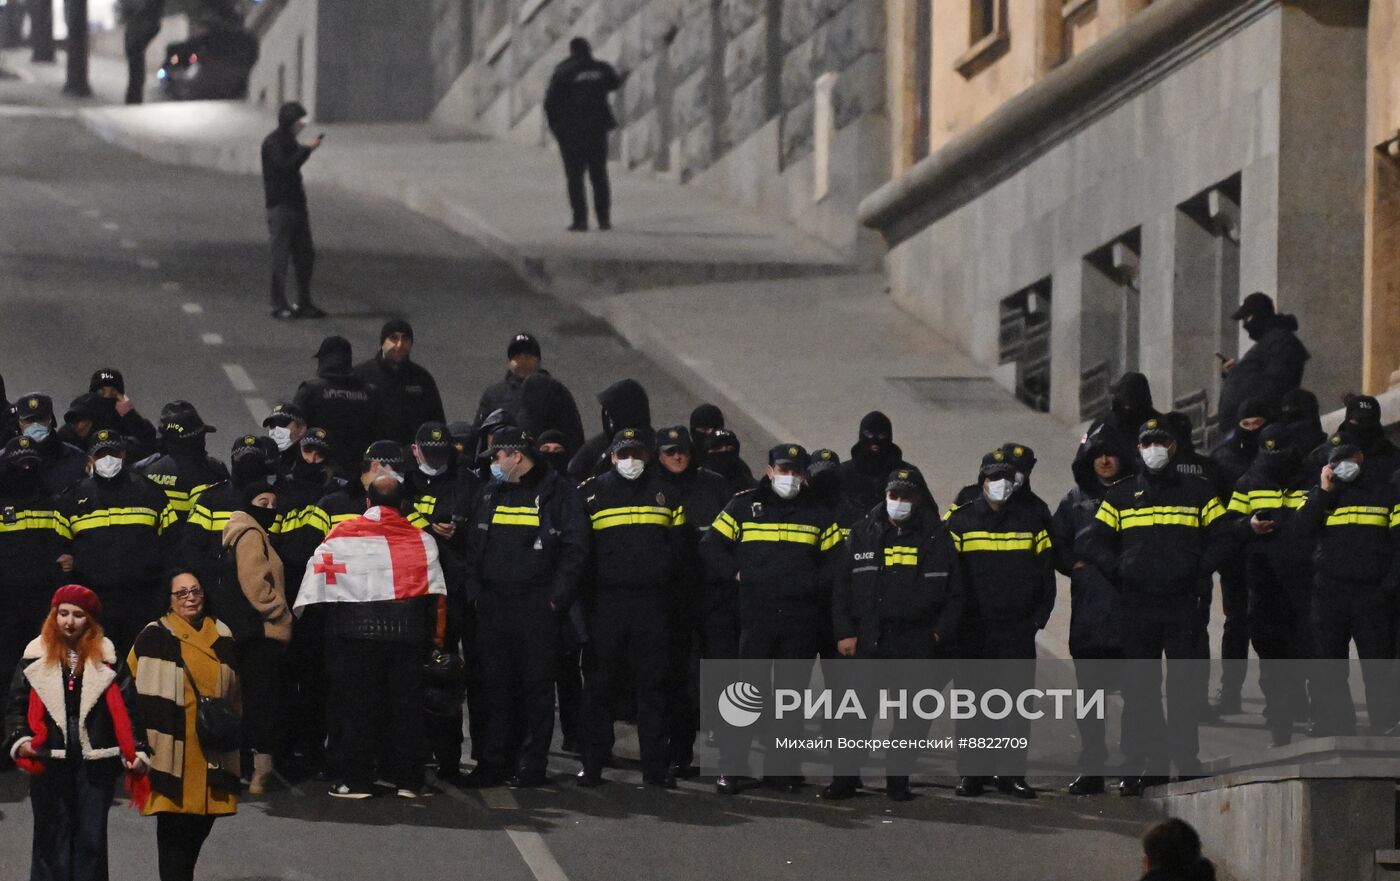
{"x":430,"y":470}
{"x":282,"y":435}
{"x":1000,"y":490}
{"x":1155,"y":458}
{"x":1346,"y":471}
{"x":787,"y":486}
{"x":631,"y":469}
{"x":107,"y":466}
{"x":898,"y":509}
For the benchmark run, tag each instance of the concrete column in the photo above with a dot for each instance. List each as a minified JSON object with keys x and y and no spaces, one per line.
{"x":823,"y":130}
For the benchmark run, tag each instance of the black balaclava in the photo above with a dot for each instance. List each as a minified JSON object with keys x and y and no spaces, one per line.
{"x":1363,"y":418}
{"x":1132,"y":400}
{"x":876,"y":442}
{"x":556,"y":461}
{"x":1252,"y":408}
{"x":1278,"y":457}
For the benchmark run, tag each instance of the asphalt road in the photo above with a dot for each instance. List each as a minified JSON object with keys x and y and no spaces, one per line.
{"x":106,"y":259}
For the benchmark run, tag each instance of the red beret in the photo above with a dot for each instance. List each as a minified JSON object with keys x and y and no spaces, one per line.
{"x":77,"y":595}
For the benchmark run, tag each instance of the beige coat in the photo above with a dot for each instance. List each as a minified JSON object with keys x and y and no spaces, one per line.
{"x":260,"y":575}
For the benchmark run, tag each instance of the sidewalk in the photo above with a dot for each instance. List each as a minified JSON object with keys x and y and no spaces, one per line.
{"x":744,"y":311}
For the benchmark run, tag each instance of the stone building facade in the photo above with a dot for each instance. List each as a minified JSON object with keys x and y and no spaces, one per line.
{"x":1084,"y":187}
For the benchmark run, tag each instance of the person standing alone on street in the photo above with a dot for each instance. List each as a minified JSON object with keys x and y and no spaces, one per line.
{"x":288,"y":222}
{"x":576,"y":106}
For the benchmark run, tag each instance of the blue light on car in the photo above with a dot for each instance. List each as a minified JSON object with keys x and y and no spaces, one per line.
{"x":160,"y":75}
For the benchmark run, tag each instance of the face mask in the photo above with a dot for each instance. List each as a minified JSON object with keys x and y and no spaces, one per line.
{"x":631,"y":469}
{"x":787,"y":486}
{"x":264,"y":517}
{"x":282,"y":435}
{"x":304,"y":470}
{"x":500,"y":473}
{"x":1155,"y":458}
{"x":37,"y":432}
{"x":107,"y":467}
{"x":1000,"y":490}
{"x":430,"y":470}
{"x":1346,"y":471}
{"x":899,"y":511}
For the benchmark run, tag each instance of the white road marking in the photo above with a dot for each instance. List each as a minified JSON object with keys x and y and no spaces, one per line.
{"x":242,"y":382}
{"x":192,"y":309}
{"x":530,"y":845}
{"x":128,"y":244}
{"x":258,"y":407}
{"x":111,"y":225}
{"x":44,"y":112}
{"x":170,"y":286}
{"x":148,"y":263}
{"x":212,"y":339}
{"x":92,"y":213}
{"x":536,"y":855}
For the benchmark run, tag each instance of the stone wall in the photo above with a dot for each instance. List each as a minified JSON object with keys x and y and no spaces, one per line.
{"x":1232,"y":114}
{"x":706,"y":78}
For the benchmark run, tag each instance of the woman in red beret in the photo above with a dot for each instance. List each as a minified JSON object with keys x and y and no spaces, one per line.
{"x":69,"y":729}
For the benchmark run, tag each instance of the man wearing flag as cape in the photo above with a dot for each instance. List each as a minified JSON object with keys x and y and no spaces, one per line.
{"x":380,"y":577}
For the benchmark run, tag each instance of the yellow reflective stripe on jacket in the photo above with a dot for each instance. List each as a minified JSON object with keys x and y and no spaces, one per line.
{"x":168,"y":517}
{"x":1362,"y":515}
{"x":338,"y":519}
{"x":425,"y":505}
{"x":901,"y":555}
{"x":636,"y":515}
{"x":516,"y":515}
{"x":183,"y":501}
{"x":726,"y":526}
{"x":417,"y":519}
{"x":968,"y":542}
{"x":1108,"y":515}
{"x":36,"y":520}
{"x":117,"y":517}
{"x":832,"y":537}
{"x":1266,"y":499}
{"x":798,"y":533}
{"x":314,"y":517}
{"x":1212,"y":511}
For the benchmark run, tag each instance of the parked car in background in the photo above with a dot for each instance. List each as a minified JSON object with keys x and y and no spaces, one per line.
{"x":210,"y":66}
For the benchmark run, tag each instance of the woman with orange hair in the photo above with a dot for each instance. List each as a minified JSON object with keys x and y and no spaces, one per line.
{"x":69,"y":729}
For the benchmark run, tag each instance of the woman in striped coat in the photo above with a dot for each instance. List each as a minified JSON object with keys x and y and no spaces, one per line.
{"x":190,"y":787}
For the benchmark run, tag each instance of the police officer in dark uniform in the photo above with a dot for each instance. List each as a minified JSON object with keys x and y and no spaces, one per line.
{"x":702,"y":494}
{"x":635,"y":516}
{"x":343,"y":404}
{"x":60,"y":465}
{"x":526,"y":549}
{"x":576,"y":108}
{"x":31,"y":542}
{"x":1350,"y":524}
{"x":1096,"y":618}
{"x":1161,"y":535}
{"x":286,"y":425}
{"x":1277,"y":575}
{"x":898,"y":594}
{"x":183,"y":468}
{"x":201,"y":539}
{"x":1022,"y":459}
{"x":443,"y":495}
{"x":777,"y":542}
{"x":109,"y":384}
{"x":407,"y":391}
{"x":1008,"y":569}
{"x":119,"y":533}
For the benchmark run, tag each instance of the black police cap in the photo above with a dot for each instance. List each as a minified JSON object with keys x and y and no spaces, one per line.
{"x":790,"y":454}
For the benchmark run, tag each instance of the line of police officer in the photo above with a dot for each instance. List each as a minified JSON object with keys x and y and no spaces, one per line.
{"x":653,"y":560}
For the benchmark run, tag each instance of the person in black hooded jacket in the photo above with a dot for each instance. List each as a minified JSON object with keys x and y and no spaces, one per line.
{"x":407,"y":391}
{"x":873,"y":456}
{"x":624,"y":405}
{"x":1299,"y":411}
{"x":722,"y":457}
{"x":1271,"y":368}
{"x":1130,"y":405}
{"x":288,"y":222}
{"x":1365,"y":429}
{"x":545,"y":405}
{"x":346,"y":406}
{"x":1096,"y":615}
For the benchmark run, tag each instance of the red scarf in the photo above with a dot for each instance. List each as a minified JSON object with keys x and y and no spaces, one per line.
{"x":137,"y":786}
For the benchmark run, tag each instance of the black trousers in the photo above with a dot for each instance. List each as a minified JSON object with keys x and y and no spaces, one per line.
{"x":290,"y":230}
{"x":1170,"y":627}
{"x":569,"y":684}
{"x":377,"y":694}
{"x":518,"y":637}
{"x":627,"y":630}
{"x":588,"y":157}
{"x":135,"y":74}
{"x":770,"y":635}
{"x":1341,"y":614}
{"x":1005,"y":641}
{"x":260,"y":667}
{"x":179,"y":839}
{"x":685,"y":648}
{"x":126,"y":612}
{"x":1095,"y":670}
{"x":70,"y":801}
{"x":1234,"y":636}
{"x":1281,"y":631}
{"x":306,"y":711}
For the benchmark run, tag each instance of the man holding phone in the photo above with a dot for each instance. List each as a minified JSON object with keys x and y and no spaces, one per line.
{"x":288,"y":222}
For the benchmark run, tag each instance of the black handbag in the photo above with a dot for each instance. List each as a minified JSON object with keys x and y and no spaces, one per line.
{"x":216,"y":723}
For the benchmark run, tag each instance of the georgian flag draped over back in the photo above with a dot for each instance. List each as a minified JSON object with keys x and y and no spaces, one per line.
{"x":380,"y":556}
